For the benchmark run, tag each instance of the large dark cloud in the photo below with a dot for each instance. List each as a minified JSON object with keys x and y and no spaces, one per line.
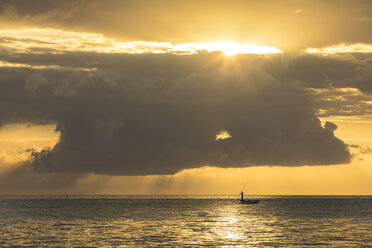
{"x":324,"y":72}
{"x":307,"y":70}
{"x":158,"y":114}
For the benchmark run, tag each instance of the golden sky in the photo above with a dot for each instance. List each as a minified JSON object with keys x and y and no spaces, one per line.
{"x":185,"y":97}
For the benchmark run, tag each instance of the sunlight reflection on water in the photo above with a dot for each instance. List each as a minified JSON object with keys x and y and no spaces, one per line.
{"x":184,"y":221}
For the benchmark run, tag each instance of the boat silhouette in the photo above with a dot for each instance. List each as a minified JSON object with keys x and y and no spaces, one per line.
{"x":247,"y":201}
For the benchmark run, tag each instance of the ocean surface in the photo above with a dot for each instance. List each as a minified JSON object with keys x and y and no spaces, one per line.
{"x":185,"y":221}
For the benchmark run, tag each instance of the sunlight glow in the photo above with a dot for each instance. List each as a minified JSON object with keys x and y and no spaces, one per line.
{"x":223,"y":135}
{"x":342,"y":48}
{"x":41,"y":41}
{"x":228,"y":48}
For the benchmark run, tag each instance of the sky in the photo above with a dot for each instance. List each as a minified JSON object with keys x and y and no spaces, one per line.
{"x":186,"y":97}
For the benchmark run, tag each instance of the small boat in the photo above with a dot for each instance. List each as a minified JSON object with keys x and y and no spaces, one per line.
{"x":247,"y":201}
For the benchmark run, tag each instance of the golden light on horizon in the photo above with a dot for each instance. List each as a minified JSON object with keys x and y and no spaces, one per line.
{"x":342,"y":48}
{"x":61,"y":40}
{"x":228,"y":48}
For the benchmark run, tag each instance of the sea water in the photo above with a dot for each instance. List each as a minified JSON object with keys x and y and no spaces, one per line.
{"x":185,"y":221}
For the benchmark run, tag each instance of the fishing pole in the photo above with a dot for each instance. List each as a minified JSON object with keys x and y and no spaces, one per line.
{"x":242,"y":190}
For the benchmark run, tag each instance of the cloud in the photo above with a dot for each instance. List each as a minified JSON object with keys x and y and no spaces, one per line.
{"x":364,"y":82}
{"x":159,"y":114}
{"x":343,"y":48}
{"x":347,"y":102}
{"x":39,"y":41}
{"x":314,"y":71}
{"x":34,"y":82}
{"x":56,"y":49}
{"x":358,"y":152}
{"x":165,"y":20}
{"x":330,"y":125}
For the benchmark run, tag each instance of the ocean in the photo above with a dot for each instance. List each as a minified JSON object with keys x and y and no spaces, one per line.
{"x":185,"y":221}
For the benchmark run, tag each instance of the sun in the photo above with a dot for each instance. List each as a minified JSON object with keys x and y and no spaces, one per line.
{"x":229,"y":48}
